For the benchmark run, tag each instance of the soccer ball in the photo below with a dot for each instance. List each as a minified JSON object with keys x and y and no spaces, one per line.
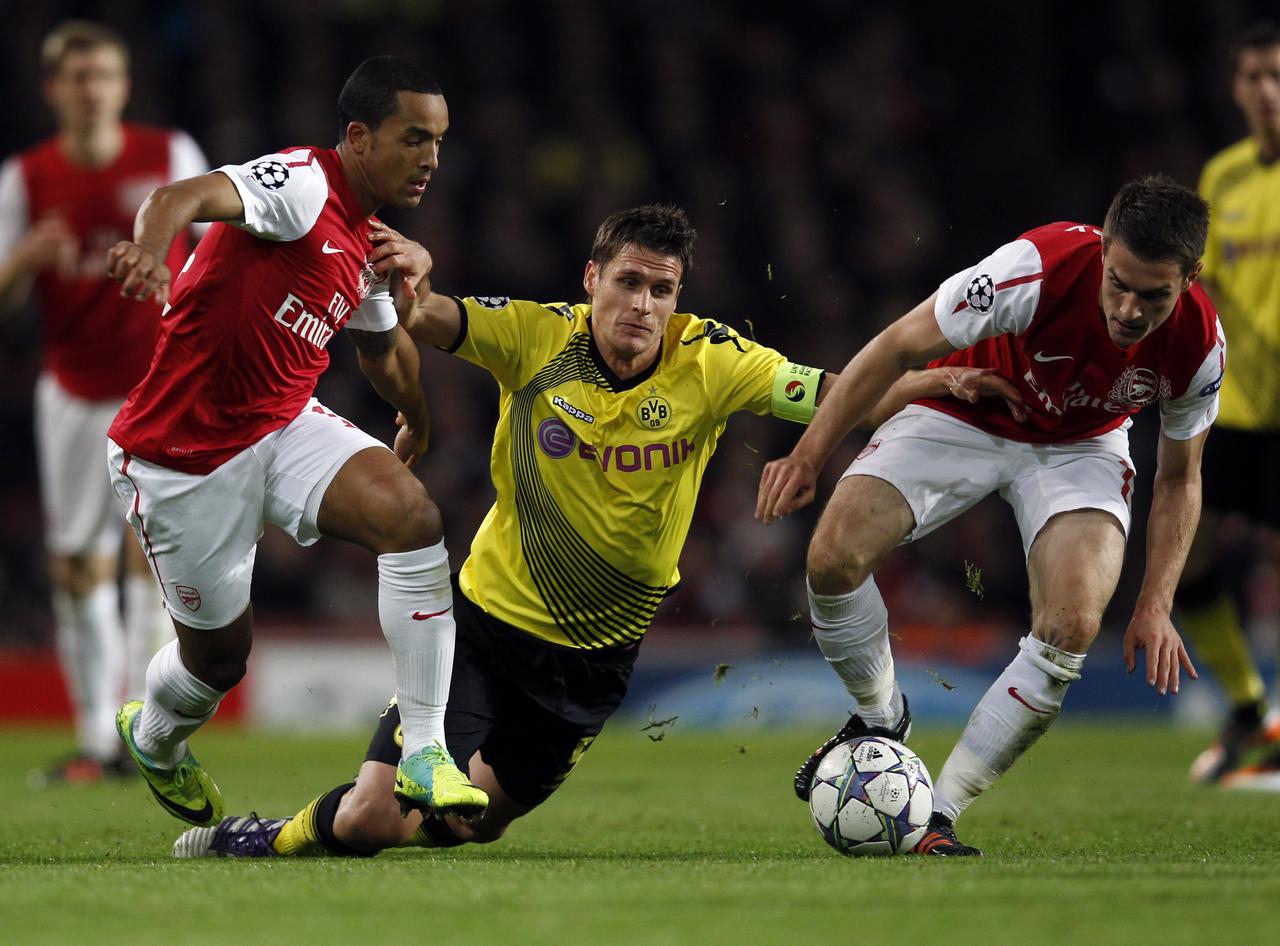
{"x":871,"y":796}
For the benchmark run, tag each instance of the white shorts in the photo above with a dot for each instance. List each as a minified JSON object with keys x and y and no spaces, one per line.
{"x":80,"y":513}
{"x":201,"y":533}
{"x":944,"y":466}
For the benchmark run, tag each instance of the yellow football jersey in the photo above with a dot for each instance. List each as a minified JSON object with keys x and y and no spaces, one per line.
{"x":596,"y":477}
{"x":1242,"y":266}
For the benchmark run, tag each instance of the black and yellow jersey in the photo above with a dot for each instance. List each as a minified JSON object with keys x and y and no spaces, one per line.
{"x":1242,"y":270}
{"x":597,"y":477}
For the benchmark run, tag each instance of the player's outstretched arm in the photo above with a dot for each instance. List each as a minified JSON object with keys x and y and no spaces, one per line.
{"x":788,"y":484}
{"x":390,"y":361}
{"x":138,"y":264}
{"x":1175,"y":510}
{"x":964,"y":383}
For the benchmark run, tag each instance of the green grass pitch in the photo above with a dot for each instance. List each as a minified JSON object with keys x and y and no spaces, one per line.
{"x":1095,"y":838}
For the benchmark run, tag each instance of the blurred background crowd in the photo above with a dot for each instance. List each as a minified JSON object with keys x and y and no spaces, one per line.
{"x":838,"y":160}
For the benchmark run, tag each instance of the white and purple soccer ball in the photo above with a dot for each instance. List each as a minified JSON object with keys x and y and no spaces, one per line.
{"x":871,"y":796}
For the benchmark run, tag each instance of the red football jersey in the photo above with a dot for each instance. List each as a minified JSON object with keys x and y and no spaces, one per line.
{"x":1030,"y":311}
{"x":243,"y":339}
{"x":96,"y":344}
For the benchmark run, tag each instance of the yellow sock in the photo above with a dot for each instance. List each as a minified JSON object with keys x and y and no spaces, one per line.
{"x":1219,"y":642}
{"x":299,"y":838}
{"x":419,"y":838}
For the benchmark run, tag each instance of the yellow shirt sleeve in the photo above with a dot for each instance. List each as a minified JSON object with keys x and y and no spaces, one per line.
{"x":510,"y":338}
{"x":739,"y":372}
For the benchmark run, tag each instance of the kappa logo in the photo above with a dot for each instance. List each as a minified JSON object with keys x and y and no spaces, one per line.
{"x":190,"y":597}
{"x":716,"y":334}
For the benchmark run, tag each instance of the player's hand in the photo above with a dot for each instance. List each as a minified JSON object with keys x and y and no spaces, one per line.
{"x":411,"y":439}
{"x":785,"y":486}
{"x":141,"y":273}
{"x":393,"y":250}
{"x":969,"y":384}
{"x":50,"y":245}
{"x":1165,"y":651}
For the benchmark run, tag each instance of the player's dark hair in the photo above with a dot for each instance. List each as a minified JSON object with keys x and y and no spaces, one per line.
{"x":658,"y":227}
{"x":1261,"y":34}
{"x":77,"y":36}
{"x":1158,"y":219}
{"x":369,"y":94}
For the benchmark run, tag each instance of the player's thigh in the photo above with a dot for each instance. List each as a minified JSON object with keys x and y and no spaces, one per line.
{"x":919,"y":471}
{"x":199,"y":533}
{"x":325,"y":476}
{"x":1073,"y":568}
{"x":82,"y":520}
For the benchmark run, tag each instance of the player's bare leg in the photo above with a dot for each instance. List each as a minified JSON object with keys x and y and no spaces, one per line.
{"x":1073,"y":568}
{"x":376,"y":502}
{"x":865,"y":520}
{"x":147,"y":626}
{"x":92,"y":655}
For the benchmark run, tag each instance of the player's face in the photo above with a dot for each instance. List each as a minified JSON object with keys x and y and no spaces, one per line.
{"x":633,"y":296}
{"x":404,"y":151}
{"x":1257,"y":89}
{"x":1138,"y":295}
{"x":90,"y":89}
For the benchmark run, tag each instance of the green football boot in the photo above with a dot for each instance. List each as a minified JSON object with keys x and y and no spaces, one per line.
{"x":187,"y":791}
{"x":429,"y":781}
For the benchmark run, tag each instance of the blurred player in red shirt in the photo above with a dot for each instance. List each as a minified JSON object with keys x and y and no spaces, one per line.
{"x":1090,"y":325}
{"x":63,"y":204}
{"x":223,"y":436}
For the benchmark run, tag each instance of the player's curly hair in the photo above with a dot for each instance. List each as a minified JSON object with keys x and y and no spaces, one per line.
{"x":369,"y":94}
{"x":1158,"y":219}
{"x":662,"y":228}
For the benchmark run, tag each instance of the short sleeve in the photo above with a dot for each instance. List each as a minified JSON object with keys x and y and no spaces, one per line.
{"x":378,"y":311}
{"x":13,"y":207}
{"x":1195,"y":410}
{"x":283,"y":194}
{"x":739,"y":372}
{"x":999,"y":296}
{"x":503,"y":335}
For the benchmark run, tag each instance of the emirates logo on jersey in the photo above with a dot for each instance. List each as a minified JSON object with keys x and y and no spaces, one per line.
{"x":1138,"y":387}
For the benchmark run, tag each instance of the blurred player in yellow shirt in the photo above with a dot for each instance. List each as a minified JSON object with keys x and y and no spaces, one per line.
{"x":1242,"y":274}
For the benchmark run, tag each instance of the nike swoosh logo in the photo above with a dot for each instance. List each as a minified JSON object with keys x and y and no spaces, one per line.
{"x":330,"y":250}
{"x":419,"y":616}
{"x":1013,"y":692}
{"x":1042,"y":357}
{"x":200,"y":817}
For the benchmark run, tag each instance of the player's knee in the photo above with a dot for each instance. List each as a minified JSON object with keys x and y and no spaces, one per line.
{"x":74,"y":574}
{"x":1069,"y":631}
{"x":484,"y":831}
{"x":409,"y":520}
{"x":836,"y":571}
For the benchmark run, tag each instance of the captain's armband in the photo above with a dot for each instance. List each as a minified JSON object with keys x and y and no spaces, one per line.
{"x":795,"y":392}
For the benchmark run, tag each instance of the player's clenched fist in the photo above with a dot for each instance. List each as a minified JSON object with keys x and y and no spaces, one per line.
{"x":141,"y":273}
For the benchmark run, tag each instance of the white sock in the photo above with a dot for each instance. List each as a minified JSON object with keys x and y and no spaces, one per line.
{"x":415,"y":606}
{"x":91,"y":649}
{"x":1004,"y":725}
{"x":147,"y":627}
{"x":852,"y":631}
{"x":178,"y":703}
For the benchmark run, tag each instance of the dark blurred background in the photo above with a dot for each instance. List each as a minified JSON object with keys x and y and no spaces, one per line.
{"x":838,"y":159}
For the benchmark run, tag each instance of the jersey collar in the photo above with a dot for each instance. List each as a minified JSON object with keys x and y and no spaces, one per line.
{"x":616,"y":384}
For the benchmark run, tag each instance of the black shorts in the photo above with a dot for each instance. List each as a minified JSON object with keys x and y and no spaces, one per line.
{"x":1240,"y":474}
{"x":531,"y":707}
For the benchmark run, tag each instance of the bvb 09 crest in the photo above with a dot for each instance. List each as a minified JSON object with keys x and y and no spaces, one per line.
{"x":654,"y":412}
